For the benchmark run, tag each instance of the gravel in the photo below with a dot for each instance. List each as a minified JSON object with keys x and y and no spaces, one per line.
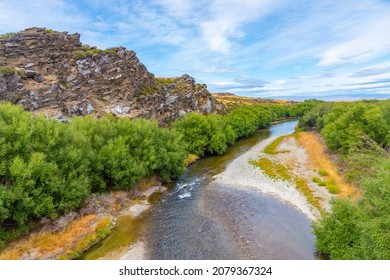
{"x":241,"y":174}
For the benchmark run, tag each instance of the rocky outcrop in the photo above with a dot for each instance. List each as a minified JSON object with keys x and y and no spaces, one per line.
{"x":53,"y":73}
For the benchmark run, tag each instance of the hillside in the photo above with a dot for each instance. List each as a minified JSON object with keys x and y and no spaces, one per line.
{"x":232,"y":101}
{"x":54,"y":74}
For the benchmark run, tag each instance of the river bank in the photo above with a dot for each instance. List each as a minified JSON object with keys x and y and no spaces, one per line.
{"x":183,"y":216}
{"x":241,"y":174}
{"x":71,"y":235}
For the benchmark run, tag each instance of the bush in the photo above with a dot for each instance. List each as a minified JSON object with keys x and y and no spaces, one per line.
{"x":337,"y":233}
{"x":215,"y":133}
{"x":9,"y":70}
{"x":361,"y":230}
{"x":48,"y":168}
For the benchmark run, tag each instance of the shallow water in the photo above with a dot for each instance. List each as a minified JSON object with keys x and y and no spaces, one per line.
{"x":200,"y":220}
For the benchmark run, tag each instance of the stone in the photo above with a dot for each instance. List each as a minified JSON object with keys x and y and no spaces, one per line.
{"x":89,"y":108}
{"x":208,"y":106}
{"x":30,"y":74}
{"x":71,"y":78}
{"x":170,"y":100}
{"x":85,"y":72}
{"x":29,"y":65}
{"x":38,"y":78}
{"x":118,"y":109}
{"x":125,"y":110}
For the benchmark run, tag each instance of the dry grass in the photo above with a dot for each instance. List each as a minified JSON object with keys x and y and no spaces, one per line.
{"x":235,"y":100}
{"x":322,"y":162}
{"x":57,"y":244}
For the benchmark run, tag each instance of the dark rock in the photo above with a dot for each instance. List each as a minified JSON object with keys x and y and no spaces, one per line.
{"x":30,"y":74}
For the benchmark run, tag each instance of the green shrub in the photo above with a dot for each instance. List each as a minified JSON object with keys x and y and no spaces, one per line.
{"x":48,"y":168}
{"x":333,"y":189}
{"x":7,"y":35}
{"x":323,"y":172}
{"x":9,"y":70}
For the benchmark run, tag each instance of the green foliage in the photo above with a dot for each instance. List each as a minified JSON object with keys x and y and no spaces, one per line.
{"x":271,"y":148}
{"x":356,"y":125}
{"x":166,"y":81}
{"x":9,"y":70}
{"x":205,"y":133}
{"x":7,"y":35}
{"x":48,"y":168}
{"x":214,"y":133}
{"x":245,"y":120}
{"x":375,"y":231}
{"x":323,"y":172}
{"x":88,"y":51}
{"x":49,"y":31}
{"x":360,"y":132}
{"x":337,"y":233}
{"x":302,"y":108}
{"x":314,"y":117}
{"x":362,"y":230}
{"x":332,"y":188}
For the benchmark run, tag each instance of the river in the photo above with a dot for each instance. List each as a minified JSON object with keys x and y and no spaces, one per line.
{"x":199,"y":219}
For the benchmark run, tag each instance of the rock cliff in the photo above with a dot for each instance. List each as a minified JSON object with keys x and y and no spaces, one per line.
{"x":52,"y":73}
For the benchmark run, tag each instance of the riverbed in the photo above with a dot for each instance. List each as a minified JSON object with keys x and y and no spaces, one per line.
{"x":202,"y":218}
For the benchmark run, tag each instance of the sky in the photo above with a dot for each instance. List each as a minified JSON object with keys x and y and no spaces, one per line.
{"x":328,"y":49}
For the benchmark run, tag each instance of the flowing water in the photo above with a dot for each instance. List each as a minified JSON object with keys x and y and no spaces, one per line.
{"x":199,"y":220}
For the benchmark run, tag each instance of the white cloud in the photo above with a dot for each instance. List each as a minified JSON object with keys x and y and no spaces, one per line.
{"x":18,"y":15}
{"x":280,"y":82}
{"x":371,"y":40}
{"x":227,"y":18}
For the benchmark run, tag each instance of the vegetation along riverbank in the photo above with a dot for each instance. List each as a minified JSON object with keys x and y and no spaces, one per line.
{"x":61,"y":175}
{"x":50,"y":169}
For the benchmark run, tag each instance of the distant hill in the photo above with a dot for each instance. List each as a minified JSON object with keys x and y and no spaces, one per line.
{"x":54,"y":74}
{"x":232,"y":100}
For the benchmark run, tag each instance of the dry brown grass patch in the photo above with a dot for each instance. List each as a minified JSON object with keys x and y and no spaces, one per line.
{"x":42,"y":245}
{"x":321,"y":161}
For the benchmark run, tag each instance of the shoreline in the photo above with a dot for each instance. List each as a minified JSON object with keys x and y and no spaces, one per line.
{"x":242,"y":175}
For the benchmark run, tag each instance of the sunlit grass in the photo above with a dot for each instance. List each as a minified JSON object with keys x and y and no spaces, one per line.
{"x":271,"y":149}
{"x":76,"y":237}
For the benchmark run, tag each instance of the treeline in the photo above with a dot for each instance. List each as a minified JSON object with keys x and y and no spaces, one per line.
{"x":48,"y":168}
{"x":359,"y":133}
{"x":215,"y":133}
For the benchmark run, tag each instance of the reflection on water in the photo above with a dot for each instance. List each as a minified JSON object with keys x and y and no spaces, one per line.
{"x":197,"y":220}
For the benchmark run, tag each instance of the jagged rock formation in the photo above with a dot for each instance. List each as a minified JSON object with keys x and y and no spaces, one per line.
{"x":53,"y":73}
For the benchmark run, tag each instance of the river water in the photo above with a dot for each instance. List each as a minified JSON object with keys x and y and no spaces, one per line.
{"x":200,"y":220}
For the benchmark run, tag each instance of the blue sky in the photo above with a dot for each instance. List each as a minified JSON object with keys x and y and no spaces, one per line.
{"x":260,"y":48}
